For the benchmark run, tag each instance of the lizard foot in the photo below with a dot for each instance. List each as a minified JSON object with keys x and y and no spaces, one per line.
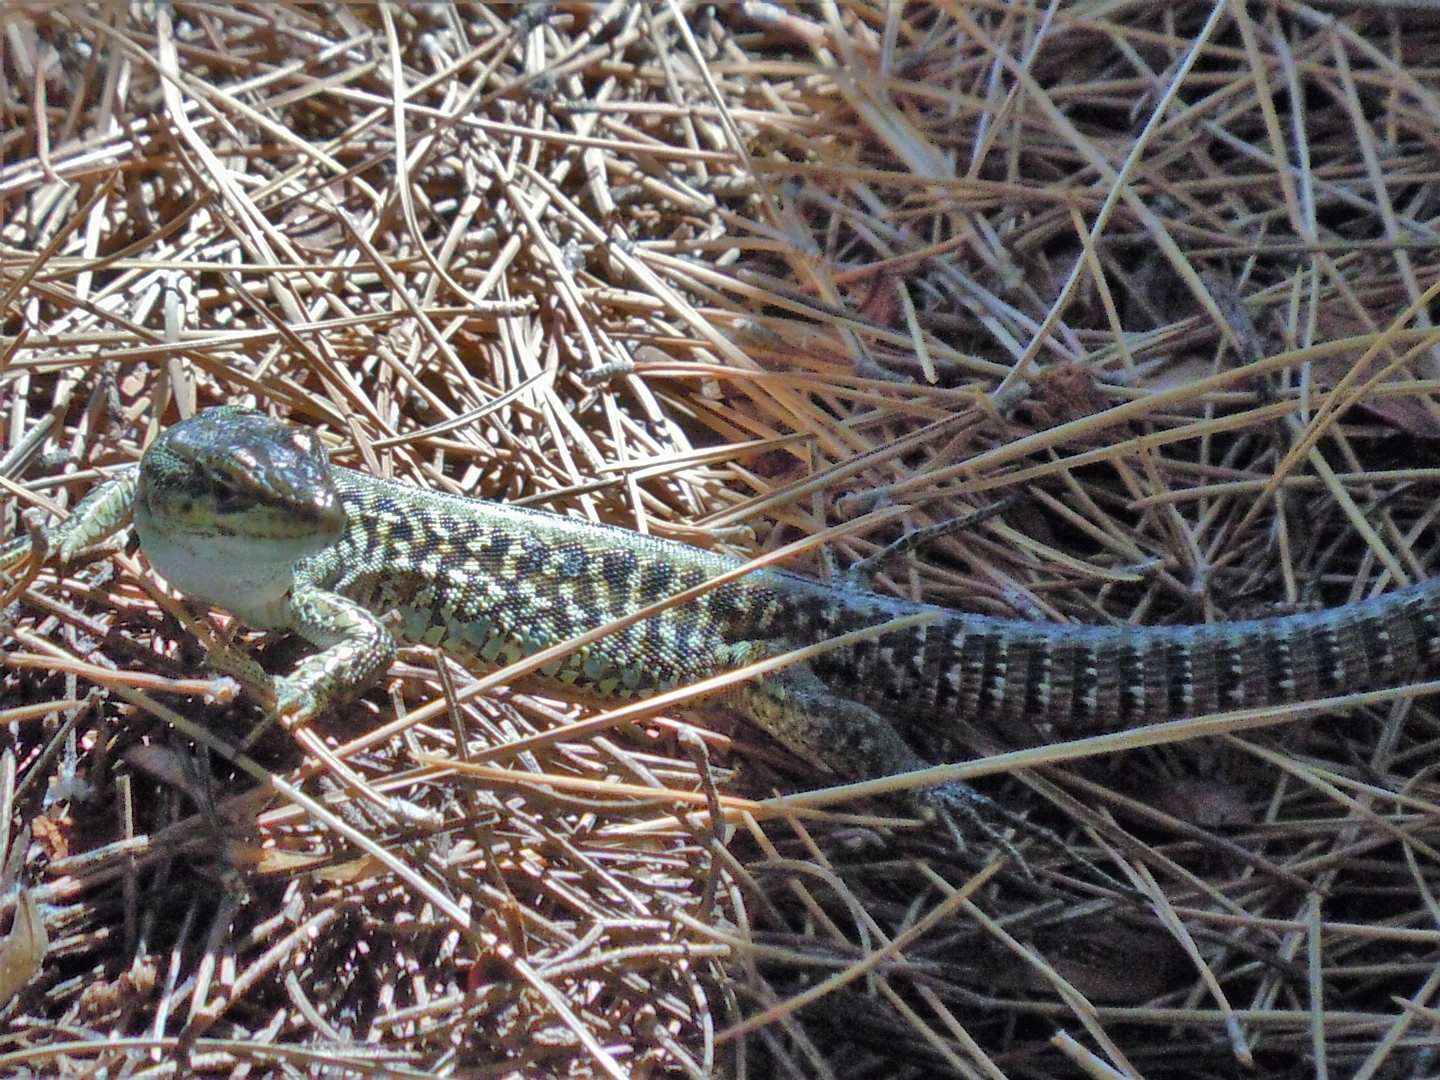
{"x":965,"y":813}
{"x":295,"y":703}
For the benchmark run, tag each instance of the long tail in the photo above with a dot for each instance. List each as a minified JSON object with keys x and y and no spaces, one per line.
{"x":1029,"y":681}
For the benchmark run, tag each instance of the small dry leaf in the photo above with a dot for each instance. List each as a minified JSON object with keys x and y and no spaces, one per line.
{"x":1415,"y":414}
{"x":163,"y":764}
{"x":1106,"y":960}
{"x":1064,"y":392}
{"x":1410,"y":414}
{"x":1116,"y":963}
{"x":53,"y":835}
{"x":1205,"y":803}
{"x":879,"y":303}
{"x":23,"y":949}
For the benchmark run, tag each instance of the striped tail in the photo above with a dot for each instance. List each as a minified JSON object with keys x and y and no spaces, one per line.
{"x":1030,"y":681}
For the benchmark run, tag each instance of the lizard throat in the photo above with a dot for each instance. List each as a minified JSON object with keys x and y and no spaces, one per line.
{"x":236,"y":572}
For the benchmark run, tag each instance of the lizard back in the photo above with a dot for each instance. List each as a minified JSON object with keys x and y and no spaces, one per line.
{"x":495,"y":582}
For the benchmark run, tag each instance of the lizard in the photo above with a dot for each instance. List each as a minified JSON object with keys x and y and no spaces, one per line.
{"x":243,"y":512}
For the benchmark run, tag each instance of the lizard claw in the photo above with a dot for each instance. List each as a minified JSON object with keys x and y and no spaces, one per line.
{"x":962,"y":810}
{"x":294,"y":704}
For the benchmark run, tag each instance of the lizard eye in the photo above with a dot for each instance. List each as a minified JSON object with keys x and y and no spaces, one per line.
{"x":227,"y":495}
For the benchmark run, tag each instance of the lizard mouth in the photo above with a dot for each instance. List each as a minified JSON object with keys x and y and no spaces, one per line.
{"x":259,"y":534}
{"x":198,"y":506}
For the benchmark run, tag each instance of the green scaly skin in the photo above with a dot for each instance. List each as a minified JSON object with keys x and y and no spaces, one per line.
{"x":239,"y":511}
{"x":245,"y":513}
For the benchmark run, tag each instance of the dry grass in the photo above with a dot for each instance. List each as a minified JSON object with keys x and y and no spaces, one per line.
{"x":1165,"y":271}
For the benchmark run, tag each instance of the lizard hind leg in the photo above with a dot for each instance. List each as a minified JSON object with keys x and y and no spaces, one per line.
{"x":855,"y":742}
{"x":828,"y":730}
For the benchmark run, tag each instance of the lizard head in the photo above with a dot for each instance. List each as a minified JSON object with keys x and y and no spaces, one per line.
{"x":229,"y":499}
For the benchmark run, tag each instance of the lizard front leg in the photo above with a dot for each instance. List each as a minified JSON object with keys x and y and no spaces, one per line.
{"x":355,"y":650}
{"x":101,"y":513}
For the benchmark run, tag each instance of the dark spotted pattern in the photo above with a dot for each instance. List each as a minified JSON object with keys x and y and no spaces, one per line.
{"x":531,"y":579}
{"x":494,"y":583}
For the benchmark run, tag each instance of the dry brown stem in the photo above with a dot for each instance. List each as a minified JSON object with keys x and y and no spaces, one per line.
{"x":734,"y":274}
